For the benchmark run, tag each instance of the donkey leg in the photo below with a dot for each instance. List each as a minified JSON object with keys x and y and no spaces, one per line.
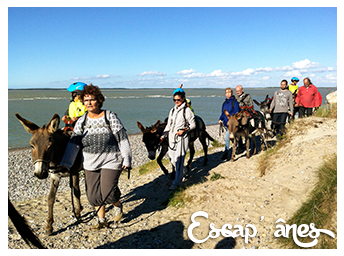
{"x":248,"y":146}
{"x":254,"y":139}
{"x":163,"y":152}
{"x":234,"y":142}
{"x":77,"y":194}
{"x":202,"y":139}
{"x":192,"y":153}
{"x":54,"y":184}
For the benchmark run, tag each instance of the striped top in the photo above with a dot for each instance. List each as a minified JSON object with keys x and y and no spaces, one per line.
{"x":103,"y":146}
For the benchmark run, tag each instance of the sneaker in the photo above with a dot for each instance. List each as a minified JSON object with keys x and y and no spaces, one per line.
{"x":224,"y":156}
{"x":100,"y":225}
{"x":173,"y":187}
{"x":118,"y":213}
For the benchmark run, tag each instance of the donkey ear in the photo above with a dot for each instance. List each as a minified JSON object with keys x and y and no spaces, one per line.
{"x":28,"y":126}
{"x":258,"y":104}
{"x":226,"y":113}
{"x":266,"y":98}
{"x":154,"y":127}
{"x":238,"y":115}
{"x":54,"y":124}
{"x":140,"y":126}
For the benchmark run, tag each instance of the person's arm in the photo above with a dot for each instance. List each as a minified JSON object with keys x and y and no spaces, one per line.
{"x":124,"y":147}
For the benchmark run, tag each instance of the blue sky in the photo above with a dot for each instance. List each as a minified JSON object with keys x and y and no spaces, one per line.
{"x":163,"y":47}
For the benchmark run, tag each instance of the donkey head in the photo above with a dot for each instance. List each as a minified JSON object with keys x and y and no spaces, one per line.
{"x":150,"y":138}
{"x":233,"y":123}
{"x":264,"y":107}
{"x":41,"y":143}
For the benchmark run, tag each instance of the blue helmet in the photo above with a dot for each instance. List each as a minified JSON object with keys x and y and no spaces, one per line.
{"x":295,"y":79}
{"x":77,"y":86}
{"x":178,"y":90}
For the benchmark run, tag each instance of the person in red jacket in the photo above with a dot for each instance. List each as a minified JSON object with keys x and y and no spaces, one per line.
{"x":307,"y":98}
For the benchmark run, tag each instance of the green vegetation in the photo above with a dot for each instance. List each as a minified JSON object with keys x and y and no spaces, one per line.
{"x":216,"y":176}
{"x":328,"y":110}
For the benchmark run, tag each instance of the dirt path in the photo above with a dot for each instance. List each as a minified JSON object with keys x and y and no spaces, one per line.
{"x":241,"y":197}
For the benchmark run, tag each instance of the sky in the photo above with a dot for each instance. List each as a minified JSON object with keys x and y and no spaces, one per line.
{"x":152,"y":47}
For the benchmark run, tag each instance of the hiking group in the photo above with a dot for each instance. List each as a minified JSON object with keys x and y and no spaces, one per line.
{"x":100,"y":137}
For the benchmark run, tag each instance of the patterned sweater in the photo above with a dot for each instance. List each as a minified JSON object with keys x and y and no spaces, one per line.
{"x":102,"y":146}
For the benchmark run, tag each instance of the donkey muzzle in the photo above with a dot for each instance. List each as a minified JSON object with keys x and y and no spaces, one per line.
{"x":151,"y":155}
{"x":41,"y":169}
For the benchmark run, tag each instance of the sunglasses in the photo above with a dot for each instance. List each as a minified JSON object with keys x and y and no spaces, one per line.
{"x":177,"y":100}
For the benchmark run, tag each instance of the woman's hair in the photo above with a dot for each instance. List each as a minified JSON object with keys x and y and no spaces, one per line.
{"x":95,"y":91}
{"x":229,"y":89}
{"x":181,"y":94}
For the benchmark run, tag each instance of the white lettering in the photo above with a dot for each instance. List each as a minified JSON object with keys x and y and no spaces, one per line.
{"x":301,"y":231}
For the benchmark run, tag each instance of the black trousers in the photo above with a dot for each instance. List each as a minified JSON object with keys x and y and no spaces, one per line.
{"x":305,"y":111}
{"x":279,"y":120}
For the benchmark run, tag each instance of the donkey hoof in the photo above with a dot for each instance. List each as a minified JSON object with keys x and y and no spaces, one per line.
{"x":48,"y":232}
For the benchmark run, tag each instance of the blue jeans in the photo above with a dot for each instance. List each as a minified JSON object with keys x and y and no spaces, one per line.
{"x":226,"y":140}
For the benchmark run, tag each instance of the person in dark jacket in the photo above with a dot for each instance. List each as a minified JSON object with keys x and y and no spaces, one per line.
{"x":232,"y":107}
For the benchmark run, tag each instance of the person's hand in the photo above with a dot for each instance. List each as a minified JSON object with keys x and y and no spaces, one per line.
{"x":291,"y":114}
{"x":65,"y":118}
{"x":181,"y":132}
{"x":220,"y":121}
{"x":74,"y":119}
{"x":125,"y":167}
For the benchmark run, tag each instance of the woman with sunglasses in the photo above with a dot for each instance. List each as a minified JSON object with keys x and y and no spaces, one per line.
{"x":180,"y":121}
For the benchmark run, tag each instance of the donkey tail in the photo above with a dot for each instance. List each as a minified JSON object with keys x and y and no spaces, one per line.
{"x":208,"y":136}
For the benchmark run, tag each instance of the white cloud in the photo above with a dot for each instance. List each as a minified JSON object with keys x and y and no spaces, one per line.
{"x":293,"y":73}
{"x":331,"y":77}
{"x":285,"y":68}
{"x":186,"y":71}
{"x":246,"y":72}
{"x":102,"y":76}
{"x":267,"y":69}
{"x":152,"y":73}
{"x":305,"y":64}
{"x":193,"y":75}
{"x":266,"y":78}
{"x":218,"y":73}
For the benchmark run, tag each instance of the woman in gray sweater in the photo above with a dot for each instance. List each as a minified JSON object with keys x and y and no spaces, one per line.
{"x":105,"y":151}
{"x":281,"y":105}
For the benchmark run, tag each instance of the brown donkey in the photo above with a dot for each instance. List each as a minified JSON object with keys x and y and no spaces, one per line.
{"x":238,"y":125}
{"x":48,"y":144}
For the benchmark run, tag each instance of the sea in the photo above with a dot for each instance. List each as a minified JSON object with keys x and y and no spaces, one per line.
{"x":131,"y":105}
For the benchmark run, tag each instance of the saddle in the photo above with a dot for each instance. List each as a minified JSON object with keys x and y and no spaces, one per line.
{"x":255,"y":118}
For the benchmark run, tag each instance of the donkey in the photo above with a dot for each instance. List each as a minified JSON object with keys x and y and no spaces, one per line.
{"x":151,"y":139}
{"x":264,"y":109}
{"x":48,"y":144}
{"x":239,"y":125}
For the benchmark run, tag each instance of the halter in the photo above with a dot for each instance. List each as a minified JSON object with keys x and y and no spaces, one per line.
{"x":47,"y":162}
